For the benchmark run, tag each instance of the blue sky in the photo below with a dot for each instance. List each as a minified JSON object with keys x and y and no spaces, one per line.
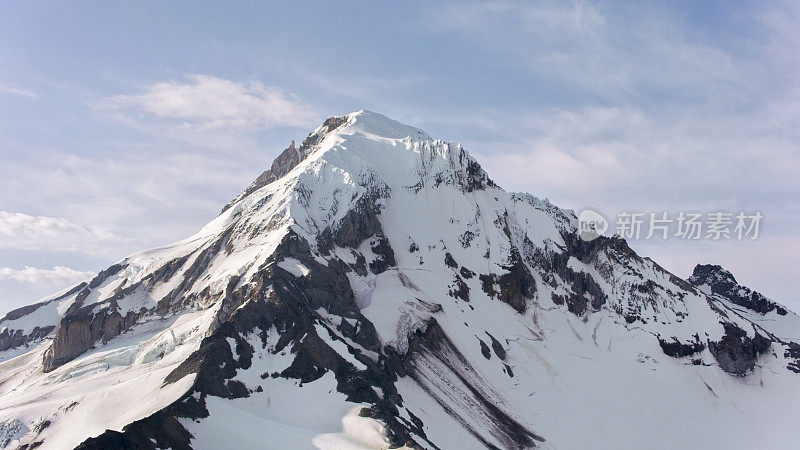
{"x":126,"y":125}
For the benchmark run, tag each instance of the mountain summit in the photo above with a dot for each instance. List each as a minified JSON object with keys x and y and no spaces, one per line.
{"x":374,"y":288}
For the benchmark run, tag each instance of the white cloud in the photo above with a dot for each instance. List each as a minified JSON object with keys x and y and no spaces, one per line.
{"x":207,"y":102}
{"x":147,"y":195}
{"x":58,"y":275}
{"x":549,"y":168}
{"x":16,"y":91}
{"x":24,"y":232}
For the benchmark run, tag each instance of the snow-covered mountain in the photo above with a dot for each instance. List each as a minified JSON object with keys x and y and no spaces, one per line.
{"x":373,"y":289}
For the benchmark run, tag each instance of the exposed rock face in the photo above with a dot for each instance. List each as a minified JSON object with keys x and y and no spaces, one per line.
{"x":15,"y":338}
{"x":678,"y":349}
{"x":514,"y":287}
{"x":736,"y":352}
{"x":81,"y":330}
{"x":162,"y":427}
{"x":475,"y":177}
{"x":722,"y":282}
{"x":73,"y":338}
{"x":582,"y":289}
{"x":360,"y":223}
{"x":12,"y":338}
{"x":81,"y":327}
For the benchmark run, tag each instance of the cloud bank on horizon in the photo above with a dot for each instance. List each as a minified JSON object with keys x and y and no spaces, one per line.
{"x":205,"y":102}
{"x":129,"y":129}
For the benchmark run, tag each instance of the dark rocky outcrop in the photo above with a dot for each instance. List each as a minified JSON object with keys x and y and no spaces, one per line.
{"x":449,"y":261}
{"x":678,"y":349}
{"x":459,"y":289}
{"x":514,"y":287}
{"x":162,"y":427}
{"x":793,"y":352}
{"x":81,"y":327}
{"x":385,"y":260}
{"x":497,"y":347}
{"x":736,"y":352}
{"x":476,"y":177}
{"x":360,"y":223}
{"x":724,"y":284}
{"x":583,"y":289}
{"x":14,"y":338}
{"x":485,"y":349}
{"x":464,"y":172}
{"x":466,"y":273}
{"x":79,"y":331}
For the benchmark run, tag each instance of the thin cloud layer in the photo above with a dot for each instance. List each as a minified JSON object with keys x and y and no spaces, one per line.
{"x":58,"y":275}
{"x":20,"y":231}
{"x":207,"y":102}
{"x":4,"y":89}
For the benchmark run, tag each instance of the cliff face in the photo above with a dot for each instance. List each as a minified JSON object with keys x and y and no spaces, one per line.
{"x":375,"y":287}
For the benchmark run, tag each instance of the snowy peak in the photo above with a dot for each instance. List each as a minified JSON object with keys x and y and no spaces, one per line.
{"x":375,"y":152}
{"x":716,"y":280}
{"x":363,"y":123}
{"x":291,"y":157}
{"x":380,"y":126}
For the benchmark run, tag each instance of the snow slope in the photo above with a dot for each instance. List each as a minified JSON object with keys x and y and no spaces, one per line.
{"x":375,"y":288}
